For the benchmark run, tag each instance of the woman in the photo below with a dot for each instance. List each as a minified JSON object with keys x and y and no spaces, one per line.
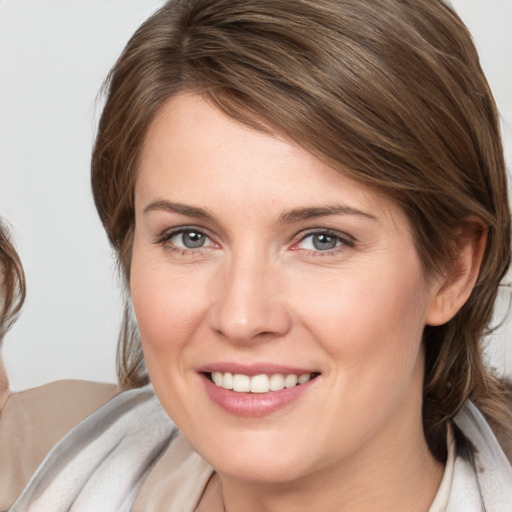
{"x":308,"y":203}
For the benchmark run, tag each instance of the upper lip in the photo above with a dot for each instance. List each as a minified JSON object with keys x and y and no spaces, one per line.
{"x":253,"y":369}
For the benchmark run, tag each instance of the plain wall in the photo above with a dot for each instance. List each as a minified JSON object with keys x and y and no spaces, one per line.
{"x":54,"y":56}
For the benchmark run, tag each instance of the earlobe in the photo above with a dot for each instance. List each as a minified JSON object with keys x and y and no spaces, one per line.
{"x":451,"y":292}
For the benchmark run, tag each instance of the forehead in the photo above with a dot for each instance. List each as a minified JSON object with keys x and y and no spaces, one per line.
{"x":194,"y":150}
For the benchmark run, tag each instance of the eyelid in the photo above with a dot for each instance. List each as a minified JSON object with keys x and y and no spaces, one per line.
{"x":345,"y":239}
{"x":166,"y":236}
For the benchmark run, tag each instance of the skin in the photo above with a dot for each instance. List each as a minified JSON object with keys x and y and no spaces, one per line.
{"x":259,"y":291}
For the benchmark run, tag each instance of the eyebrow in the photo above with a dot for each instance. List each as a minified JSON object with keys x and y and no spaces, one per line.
{"x":287,"y":217}
{"x":182,"y":209}
{"x":300,"y":214}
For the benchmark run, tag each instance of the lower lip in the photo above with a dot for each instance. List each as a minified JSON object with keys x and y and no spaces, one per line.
{"x":254,"y":404}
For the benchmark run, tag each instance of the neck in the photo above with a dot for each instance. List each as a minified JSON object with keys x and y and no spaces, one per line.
{"x":401,"y":475}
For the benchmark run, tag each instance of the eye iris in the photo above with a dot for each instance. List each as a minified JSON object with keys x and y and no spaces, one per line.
{"x":193,"y":239}
{"x":324,"y":242}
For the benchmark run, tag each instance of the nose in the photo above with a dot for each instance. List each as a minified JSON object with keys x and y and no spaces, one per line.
{"x":249,"y":302}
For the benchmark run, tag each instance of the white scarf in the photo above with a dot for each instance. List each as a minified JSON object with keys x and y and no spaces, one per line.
{"x":100,"y":465}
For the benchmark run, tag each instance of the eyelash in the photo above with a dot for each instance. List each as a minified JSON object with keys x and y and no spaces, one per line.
{"x":345,"y":241}
{"x":165,"y":240}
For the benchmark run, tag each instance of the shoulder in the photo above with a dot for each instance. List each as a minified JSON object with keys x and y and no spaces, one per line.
{"x":63,"y":393}
{"x":118,"y":444}
{"x":33,"y":421}
{"x":49,"y":411}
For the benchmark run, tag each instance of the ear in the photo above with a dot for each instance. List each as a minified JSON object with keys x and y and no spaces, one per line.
{"x":451,"y":291}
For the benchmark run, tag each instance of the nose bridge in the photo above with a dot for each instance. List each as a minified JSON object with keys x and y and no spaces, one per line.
{"x":249,"y":303}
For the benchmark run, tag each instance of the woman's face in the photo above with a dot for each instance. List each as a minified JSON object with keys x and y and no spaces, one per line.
{"x":256,"y":266}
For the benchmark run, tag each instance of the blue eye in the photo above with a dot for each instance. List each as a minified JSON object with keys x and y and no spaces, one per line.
{"x":322,"y":241}
{"x":189,"y":239}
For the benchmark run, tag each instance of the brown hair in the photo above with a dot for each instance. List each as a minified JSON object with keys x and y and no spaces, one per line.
{"x":389,"y":92}
{"x":12,"y":282}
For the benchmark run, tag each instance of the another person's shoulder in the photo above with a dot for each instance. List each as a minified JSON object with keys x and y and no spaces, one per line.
{"x":33,"y":421}
{"x":54,"y":408}
{"x":65,"y":392}
{"x":120,"y":442}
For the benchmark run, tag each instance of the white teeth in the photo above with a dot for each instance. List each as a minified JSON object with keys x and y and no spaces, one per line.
{"x":217,"y":378}
{"x":290,"y":381}
{"x":258,"y":383}
{"x":277,"y":382}
{"x":304,"y":378}
{"x":227,"y":381}
{"x":241,"y":383}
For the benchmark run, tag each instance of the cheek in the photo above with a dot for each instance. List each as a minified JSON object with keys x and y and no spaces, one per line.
{"x":167,"y":305}
{"x":369,"y":322}
{"x":360,"y":304}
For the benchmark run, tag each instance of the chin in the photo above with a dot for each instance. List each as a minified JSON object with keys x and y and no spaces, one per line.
{"x":269,"y":461}
{"x":272,"y":470}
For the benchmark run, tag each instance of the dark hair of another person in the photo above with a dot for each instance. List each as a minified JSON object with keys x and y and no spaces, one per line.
{"x":12,"y":282}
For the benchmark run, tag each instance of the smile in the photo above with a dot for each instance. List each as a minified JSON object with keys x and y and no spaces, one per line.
{"x":262,"y":383}
{"x":256,"y":390}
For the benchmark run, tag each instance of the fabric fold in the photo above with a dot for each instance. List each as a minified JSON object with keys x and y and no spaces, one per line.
{"x":101,"y":463}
